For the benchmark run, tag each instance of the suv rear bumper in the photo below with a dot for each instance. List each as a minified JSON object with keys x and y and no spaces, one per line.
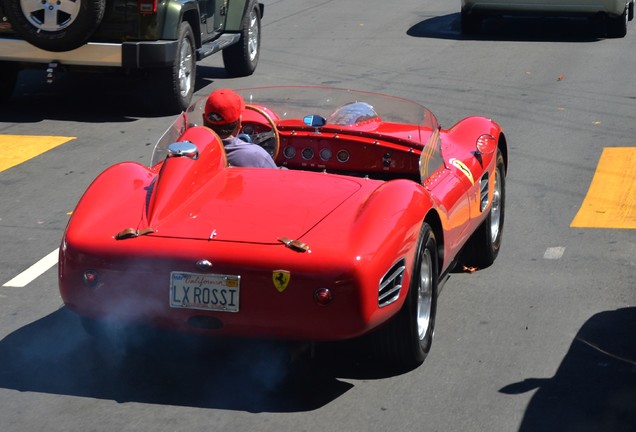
{"x":130,"y":55}
{"x":549,"y":7}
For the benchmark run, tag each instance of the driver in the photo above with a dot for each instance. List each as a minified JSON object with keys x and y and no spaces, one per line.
{"x":222,"y":114}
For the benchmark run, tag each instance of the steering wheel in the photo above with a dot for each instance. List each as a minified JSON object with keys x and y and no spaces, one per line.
{"x":269,"y":140}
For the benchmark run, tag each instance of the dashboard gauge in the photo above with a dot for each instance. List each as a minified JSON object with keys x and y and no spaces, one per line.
{"x":289,"y":152}
{"x":308,"y":153}
{"x":248,"y":130}
{"x":343,"y":156}
{"x":325,"y":154}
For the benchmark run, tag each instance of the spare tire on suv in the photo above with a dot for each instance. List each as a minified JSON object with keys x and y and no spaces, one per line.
{"x":157,"y":42}
{"x":60,"y":25}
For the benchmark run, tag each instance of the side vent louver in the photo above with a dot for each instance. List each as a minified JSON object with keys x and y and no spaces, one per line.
{"x":483,"y":192}
{"x":391,"y":284}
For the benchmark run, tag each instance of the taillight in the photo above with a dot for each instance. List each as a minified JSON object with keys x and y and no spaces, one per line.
{"x":147,"y":7}
{"x":90,"y":278}
{"x":323,"y":296}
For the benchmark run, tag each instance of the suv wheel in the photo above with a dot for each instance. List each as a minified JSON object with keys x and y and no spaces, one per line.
{"x":241,"y":58}
{"x":175,"y":85}
{"x":617,"y":26}
{"x":470,"y":23}
{"x":62,"y":25}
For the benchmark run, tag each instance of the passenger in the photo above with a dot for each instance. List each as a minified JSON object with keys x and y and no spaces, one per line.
{"x":222,"y":114}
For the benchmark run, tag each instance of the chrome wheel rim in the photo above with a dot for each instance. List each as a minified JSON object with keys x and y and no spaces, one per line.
{"x":186,"y":64}
{"x":424,"y":294}
{"x":495,"y":209}
{"x":50,"y":15}
{"x":252,"y":35}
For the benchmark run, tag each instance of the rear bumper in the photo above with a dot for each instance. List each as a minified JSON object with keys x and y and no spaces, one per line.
{"x":133,"y":286}
{"x":129,"y":55}
{"x":533,"y":7}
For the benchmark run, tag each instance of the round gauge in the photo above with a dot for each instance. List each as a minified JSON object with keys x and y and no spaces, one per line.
{"x":289,"y":152}
{"x":343,"y":156}
{"x":248,"y":130}
{"x":325,"y":154}
{"x":307,"y":153}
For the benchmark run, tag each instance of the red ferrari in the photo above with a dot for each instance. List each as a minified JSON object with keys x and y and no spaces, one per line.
{"x":373,"y":206}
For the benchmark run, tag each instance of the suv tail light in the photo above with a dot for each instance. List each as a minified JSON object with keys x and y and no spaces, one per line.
{"x":147,"y":7}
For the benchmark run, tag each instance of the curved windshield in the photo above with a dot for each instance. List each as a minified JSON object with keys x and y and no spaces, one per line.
{"x":172,"y":134}
{"x":342,"y":108}
{"x":297,"y":102}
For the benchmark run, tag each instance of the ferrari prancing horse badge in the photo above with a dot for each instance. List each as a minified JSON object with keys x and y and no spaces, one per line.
{"x":281,"y":279}
{"x":463,"y":168}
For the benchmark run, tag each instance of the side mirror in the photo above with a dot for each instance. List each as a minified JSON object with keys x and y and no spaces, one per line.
{"x":183,"y":149}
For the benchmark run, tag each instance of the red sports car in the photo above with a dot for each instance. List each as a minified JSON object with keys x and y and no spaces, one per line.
{"x":373,"y":206}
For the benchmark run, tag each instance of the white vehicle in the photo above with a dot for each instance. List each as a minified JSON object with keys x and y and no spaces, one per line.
{"x":615,"y":12}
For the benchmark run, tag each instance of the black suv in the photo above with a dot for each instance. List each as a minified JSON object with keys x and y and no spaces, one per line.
{"x":161,"y":39}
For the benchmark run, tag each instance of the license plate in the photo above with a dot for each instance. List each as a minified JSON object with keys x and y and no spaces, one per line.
{"x":211,"y":292}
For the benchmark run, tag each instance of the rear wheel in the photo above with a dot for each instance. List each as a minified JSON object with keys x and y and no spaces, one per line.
{"x":617,"y":26}
{"x":483,"y":247}
{"x":406,"y":340}
{"x":241,"y":58}
{"x":175,"y":85}
{"x":470,"y":23}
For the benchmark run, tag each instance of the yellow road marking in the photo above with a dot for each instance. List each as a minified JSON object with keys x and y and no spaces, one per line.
{"x":20,"y":148}
{"x":611,"y":199}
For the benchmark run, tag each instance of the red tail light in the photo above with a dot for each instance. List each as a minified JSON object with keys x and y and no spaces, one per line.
{"x":90,"y":278}
{"x":147,"y":7}
{"x":323,"y":296}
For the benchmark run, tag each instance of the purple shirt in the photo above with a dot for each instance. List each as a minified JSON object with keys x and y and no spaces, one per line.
{"x":242,"y":154}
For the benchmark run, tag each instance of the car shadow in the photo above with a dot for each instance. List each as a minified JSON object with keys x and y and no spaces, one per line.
{"x":54,"y":355}
{"x":594,"y":388}
{"x":89,"y":97}
{"x":517,"y":29}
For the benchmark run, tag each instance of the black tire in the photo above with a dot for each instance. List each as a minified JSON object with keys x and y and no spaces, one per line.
{"x":470,"y":23}
{"x":617,"y":26}
{"x":630,"y":11}
{"x":174,"y":85}
{"x":76,"y":21}
{"x":8,"y":79}
{"x":484,"y":245}
{"x":406,"y":340}
{"x":241,"y":58}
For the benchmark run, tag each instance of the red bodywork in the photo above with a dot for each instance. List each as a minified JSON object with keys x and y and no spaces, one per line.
{"x":357,"y":218}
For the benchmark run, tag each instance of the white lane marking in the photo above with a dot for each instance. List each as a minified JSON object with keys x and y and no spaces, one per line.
{"x":34,"y":271}
{"x":554,"y":253}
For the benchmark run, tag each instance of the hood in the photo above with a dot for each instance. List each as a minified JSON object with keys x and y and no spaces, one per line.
{"x":255,"y":205}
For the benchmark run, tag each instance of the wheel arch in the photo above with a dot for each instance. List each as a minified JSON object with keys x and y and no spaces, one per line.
{"x":176,"y":14}
{"x":502,"y":145}
{"x":191,"y":16}
{"x":434,"y":221}
{"x":236,"y":12}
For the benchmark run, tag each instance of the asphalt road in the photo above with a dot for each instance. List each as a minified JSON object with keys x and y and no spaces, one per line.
{"x":543,"y":340}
